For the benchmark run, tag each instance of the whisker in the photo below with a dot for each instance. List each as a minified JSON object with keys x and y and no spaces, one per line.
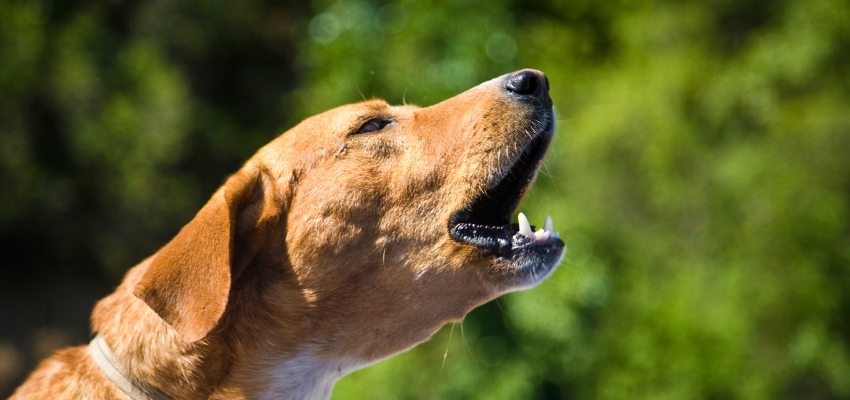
{"x":466,"y":345}
{"x":384,"y":263}
{"x":358,"y":88}
{"x":500,"y":305}
{"x":447,"y":348}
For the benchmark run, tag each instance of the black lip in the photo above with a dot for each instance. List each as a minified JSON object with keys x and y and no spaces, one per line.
{"x":503,"y":241}
{"x":485,"y":222}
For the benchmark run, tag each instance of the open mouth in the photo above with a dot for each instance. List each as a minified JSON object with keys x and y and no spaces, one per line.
{"x":486,"y":222}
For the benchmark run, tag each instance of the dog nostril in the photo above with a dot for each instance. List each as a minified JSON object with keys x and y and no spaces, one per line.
{"x":523,"y":82}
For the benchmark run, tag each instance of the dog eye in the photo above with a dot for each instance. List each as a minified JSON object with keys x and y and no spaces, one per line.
{"x":373,"y":125}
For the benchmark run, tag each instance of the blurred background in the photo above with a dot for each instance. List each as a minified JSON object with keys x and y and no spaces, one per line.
{"x":700,"y":175}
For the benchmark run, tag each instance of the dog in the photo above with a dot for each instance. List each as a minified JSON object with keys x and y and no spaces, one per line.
{"x":350,"y":238}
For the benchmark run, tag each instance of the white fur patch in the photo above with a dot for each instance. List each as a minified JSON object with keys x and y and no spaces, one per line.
{"x":307,"y":377}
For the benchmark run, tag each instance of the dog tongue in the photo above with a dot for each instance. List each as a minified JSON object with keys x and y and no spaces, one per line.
{"x":543,"y":234}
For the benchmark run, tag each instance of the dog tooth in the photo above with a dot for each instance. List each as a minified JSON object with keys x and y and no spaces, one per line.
{"x":524,"y":226}
{"x":542,"y":235}
{"x":547,"y":226}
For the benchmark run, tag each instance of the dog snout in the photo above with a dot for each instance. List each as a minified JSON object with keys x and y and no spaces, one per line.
{"x":529,"y":83}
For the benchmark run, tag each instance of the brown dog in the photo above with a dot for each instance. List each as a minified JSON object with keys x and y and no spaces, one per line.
{"x":350,"y":238}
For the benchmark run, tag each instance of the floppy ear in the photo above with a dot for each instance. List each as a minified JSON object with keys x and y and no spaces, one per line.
{"x":189,"y":280}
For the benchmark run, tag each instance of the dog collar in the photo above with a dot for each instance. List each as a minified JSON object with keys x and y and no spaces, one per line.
{"x":103,"y":357}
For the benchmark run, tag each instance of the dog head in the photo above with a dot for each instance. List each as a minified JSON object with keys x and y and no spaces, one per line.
{"x":367,"y":227}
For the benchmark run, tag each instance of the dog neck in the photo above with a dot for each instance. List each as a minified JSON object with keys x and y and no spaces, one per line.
{"x":282,"y":356}
{"x":248,"y":357}
{"x":304,"y":376}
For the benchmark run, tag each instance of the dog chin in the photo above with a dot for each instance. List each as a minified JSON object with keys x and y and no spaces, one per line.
{"x":523,"y":256}
{"x":531,"y":260}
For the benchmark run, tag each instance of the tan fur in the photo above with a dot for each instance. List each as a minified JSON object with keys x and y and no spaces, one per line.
{"x":324,"y":243}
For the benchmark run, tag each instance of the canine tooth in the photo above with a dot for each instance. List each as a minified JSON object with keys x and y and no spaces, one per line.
{"x":547,"y":226}
{"x":524,"y":226}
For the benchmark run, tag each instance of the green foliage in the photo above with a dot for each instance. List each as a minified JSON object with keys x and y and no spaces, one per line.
{"x":700,"y":179}
{"x":700,"y":176}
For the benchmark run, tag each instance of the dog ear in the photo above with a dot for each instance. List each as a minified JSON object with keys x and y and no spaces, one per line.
{"x":189,"y":280}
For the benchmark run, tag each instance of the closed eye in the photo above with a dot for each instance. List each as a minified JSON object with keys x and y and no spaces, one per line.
{"x":374,"y":125}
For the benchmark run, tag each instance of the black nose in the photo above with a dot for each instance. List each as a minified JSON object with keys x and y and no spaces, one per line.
{"x":528,"y":82}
